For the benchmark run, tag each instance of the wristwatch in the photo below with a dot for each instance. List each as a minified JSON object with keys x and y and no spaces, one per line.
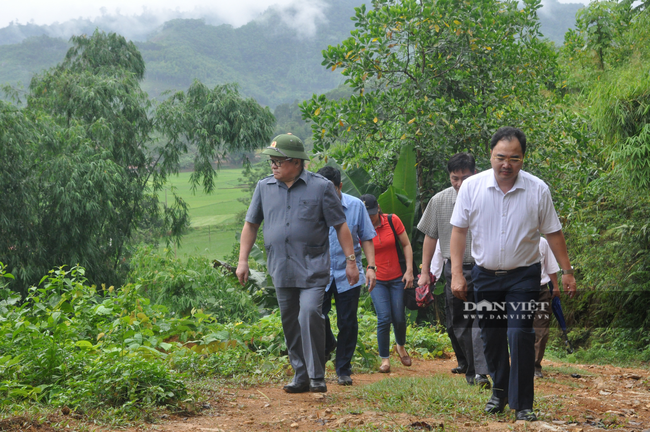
{"x":570,"y":271}
{"x":351,"y":258}
{"x":373,"y":268}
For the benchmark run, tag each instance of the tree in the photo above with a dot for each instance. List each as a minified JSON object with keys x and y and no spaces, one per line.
{"x":441,"y":75}
{"x":86,"y":156}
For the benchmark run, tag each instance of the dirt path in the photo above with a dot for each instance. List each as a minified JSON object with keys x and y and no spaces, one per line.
{"x":601,"y":397}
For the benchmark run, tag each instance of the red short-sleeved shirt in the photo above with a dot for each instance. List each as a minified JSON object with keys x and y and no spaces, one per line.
{"x":385,"y":252}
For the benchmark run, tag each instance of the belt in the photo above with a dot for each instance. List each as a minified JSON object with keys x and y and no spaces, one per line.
{"x":502,"y":272}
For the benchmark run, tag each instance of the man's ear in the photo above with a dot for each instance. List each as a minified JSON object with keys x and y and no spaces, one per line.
{"x":341,"y":186}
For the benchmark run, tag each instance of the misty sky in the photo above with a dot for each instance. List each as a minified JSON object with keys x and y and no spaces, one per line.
{"x":235,"y":12}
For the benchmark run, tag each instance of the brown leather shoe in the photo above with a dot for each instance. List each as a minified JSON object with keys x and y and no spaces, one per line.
{"x":384,"y":368}
{"x":406,"y":360}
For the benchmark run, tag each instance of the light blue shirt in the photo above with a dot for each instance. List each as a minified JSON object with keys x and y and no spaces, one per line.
{"x":361,"y":229}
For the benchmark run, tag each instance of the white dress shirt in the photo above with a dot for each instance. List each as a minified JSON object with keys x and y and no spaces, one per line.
{"x":505,"y":227}
{"x":437,"y":262}
{"x":548,"y":261}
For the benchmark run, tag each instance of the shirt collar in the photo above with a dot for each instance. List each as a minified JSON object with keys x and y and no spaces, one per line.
{"x":304,"y":176}
{"x":345,"y":200}
{"x":519,"y":182}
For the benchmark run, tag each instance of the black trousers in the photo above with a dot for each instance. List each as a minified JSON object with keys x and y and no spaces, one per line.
{"x":512,"y":371}
{"x":347,"y":304}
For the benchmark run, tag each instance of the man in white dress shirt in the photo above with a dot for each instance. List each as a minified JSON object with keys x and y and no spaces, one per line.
{"x":506,"y":209}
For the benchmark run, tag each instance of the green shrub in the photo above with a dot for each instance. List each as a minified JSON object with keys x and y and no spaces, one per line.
{"x":191,"y":285}
{"x":68,"y":344}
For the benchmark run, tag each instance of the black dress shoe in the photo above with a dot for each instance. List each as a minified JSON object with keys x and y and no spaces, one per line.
{"x":296,"y":388}
{"x":496,"y":405}
{"x":317,"y":386}
{"x":482,"y":381}
{"x":459,"y":370}
{"x":526,"y":415}
{"x":345,"y":380}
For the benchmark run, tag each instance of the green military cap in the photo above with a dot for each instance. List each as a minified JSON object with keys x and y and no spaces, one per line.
{"x":287,"y":145}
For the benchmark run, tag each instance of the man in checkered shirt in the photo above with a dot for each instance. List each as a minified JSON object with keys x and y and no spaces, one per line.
{"x":462,"y":328}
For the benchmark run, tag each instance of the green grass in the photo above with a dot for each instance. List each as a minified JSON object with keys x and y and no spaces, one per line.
{"x":213,"y":229}
{"x":439,"y":396}
{"x":212,"y":241}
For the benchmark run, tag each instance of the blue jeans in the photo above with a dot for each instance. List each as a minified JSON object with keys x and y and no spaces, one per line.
{"x":388,"y":299}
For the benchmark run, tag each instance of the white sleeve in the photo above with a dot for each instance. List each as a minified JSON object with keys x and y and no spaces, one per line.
{"x":437,"y":262}
{"x":460,"y":216}
{"x":550,"y":263}
{"x":548,"y":220}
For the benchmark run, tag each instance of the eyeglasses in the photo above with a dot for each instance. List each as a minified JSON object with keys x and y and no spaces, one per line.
{"x":511,"y":159}
{"x":278,"y":162}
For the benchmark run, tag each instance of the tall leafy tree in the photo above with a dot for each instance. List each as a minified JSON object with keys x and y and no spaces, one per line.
{"x":441,"y":75}
{"x":86,"y":156}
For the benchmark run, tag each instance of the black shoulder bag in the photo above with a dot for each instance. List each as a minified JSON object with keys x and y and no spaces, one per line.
{"x":409,"y":293}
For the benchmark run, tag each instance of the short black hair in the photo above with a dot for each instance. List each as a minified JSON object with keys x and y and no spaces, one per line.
{"x":507,"y":133}
{"x":332,"y":174}
{"x":461,"y":162}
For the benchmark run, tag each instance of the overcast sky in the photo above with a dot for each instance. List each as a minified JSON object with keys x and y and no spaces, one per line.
{"x":235,"y":12}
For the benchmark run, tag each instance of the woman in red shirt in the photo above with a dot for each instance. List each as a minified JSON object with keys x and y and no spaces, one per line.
{"x":388,"y":294}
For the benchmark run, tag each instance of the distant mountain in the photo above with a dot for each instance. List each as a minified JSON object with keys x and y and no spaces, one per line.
{"x":132,"y":27}
{"x":271,"y":58}
{"x":275,"y":58}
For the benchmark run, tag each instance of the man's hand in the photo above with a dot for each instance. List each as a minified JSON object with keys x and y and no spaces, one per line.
{"x":351,"y":272}
{"x":459,"y":286}
{"x":242,"y":272}
{"x":424,"y":279}
{"x":569,"y":284}
{"x":556,"y":292}
{"x":371,"y":279}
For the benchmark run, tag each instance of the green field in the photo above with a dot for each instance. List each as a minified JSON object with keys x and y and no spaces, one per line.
{"x":213,"y":217}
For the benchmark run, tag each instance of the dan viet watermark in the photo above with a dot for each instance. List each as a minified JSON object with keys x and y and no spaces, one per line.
{"x":604,"y":308}
{"x":506,"y":310}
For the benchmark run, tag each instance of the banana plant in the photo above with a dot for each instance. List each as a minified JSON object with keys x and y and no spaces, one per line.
{"x":400,"y":198}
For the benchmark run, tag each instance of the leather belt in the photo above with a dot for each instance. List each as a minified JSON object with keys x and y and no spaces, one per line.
{"x":502,"y":272}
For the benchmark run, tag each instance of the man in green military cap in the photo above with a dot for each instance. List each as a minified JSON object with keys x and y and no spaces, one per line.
{"x":298,"y":207}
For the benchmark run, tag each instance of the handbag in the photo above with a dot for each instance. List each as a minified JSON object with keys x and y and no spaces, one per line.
{"x":410,"y":301}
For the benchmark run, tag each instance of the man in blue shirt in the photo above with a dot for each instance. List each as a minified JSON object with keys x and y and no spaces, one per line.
{"x":345,"y":295}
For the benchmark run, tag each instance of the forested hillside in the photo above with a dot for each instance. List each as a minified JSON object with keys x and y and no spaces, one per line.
{"x":273,"y":61}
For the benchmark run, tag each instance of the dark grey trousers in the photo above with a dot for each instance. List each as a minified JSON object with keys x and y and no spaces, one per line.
{"x":468,"y":344}
{"x":304,"y":331}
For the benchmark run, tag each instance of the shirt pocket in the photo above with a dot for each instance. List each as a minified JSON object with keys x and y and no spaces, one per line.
{"x":318,"y":261}
{"x":307,"y":209}
{"x":315,"y":251}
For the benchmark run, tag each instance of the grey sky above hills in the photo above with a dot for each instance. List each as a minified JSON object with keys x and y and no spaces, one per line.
{"x":276,"y":57}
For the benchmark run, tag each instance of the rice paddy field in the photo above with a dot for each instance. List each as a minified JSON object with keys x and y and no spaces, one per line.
{"x":214,"y":228}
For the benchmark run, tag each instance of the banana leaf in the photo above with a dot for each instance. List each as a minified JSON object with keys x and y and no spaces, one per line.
{"x":401,"y":197}
{"x":356,"y":181}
